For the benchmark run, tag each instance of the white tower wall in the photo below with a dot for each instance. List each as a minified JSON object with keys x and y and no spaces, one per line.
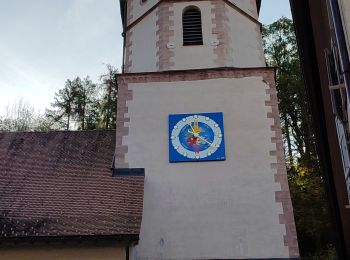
{"x":239,"y":208}
{"x":231,"y":36}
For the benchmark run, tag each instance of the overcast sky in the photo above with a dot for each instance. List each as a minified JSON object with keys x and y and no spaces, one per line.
{"x":45,"y":42}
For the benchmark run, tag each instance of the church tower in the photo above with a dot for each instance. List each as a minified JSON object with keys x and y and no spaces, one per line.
{"x":198,"y":115}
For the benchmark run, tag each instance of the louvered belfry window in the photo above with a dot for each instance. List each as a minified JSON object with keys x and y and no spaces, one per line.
{"x":192,"y":27}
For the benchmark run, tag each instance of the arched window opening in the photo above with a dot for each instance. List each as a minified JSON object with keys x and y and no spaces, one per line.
{"x":192,"y":27}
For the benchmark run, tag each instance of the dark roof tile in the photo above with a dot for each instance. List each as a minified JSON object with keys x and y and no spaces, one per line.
{"x":60,"y":184}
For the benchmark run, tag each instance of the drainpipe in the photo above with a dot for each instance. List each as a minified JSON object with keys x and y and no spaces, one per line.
{"x":130,"y":253}
{"x":336,"y":19}
{"x":127,"y":252}
{"x":124,"y":34}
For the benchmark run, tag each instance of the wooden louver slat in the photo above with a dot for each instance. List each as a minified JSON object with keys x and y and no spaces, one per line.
{"x":192,"y":27}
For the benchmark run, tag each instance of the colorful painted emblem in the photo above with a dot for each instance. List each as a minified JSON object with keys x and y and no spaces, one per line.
{"x":196,"y":137}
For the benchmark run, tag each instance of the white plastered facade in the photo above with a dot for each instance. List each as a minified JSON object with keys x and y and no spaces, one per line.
{"x":249,"y":6}
{"x":243,"y":44}
{"x":139,"y":7}
{"x":144,"y":51}
{"x":199,"y":56}
{"x":206,"y":210}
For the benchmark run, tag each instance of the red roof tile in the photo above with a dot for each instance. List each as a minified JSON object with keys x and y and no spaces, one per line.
{"x":60,"y":184}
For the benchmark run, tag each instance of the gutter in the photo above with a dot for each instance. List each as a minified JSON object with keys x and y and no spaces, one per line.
{"x":122,"y":238}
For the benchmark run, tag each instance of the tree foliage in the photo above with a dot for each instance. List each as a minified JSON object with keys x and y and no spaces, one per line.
{"x":304,"y":174}
{"x":281,"y":52}
{"x":63,"y":107}
{"x":21,"y":116}
{"x":85,"y":105}
{"x":80,"y":104}
{"x":108,"y":104}
{"x":76,"y":105}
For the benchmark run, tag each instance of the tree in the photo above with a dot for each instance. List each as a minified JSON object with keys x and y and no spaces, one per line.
{"x":85,"y":103}
{"x":63,"y":105}
{"x":108,"y":104}
{"x":281,"y":52}
{"x":80,"y":104}
{"x":304,"y":174}
{"x":76,"y":105}
{"x":21,"y":116}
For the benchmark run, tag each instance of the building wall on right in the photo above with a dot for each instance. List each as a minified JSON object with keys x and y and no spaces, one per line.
{"x":345,"y":12}
{"x":327,"y":85}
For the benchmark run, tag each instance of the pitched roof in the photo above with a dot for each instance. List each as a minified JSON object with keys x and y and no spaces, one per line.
{"x":55,"y":184}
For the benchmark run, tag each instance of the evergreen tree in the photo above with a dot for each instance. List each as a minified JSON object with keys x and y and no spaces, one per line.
{"x":108,"y":104}
{"x":76,"y":105}
{"x":85,"y":103}
{"x":63,"y":106}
